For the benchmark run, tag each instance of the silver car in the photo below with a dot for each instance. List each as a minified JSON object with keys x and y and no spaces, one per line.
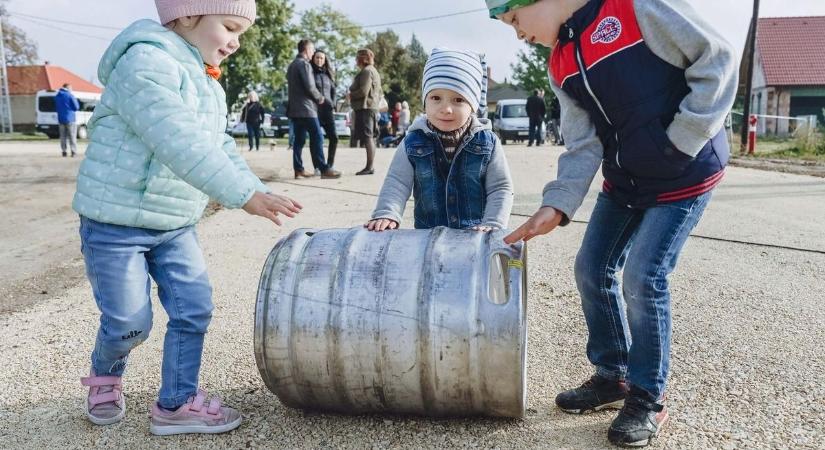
{"x":342,"y":125}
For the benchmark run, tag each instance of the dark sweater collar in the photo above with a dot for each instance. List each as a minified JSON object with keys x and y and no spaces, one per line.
{"x":451,"y":139}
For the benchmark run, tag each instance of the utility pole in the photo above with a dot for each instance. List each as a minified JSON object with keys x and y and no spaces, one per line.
{"x":6,"y":123}
{"x":750,"y":48}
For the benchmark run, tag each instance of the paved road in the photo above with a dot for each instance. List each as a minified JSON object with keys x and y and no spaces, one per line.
{"x":748,"y":329}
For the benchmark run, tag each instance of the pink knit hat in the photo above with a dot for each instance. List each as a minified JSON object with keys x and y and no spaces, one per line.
{"x":169,"y":10}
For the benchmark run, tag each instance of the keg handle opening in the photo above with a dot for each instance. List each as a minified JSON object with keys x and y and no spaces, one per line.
{"x":498,"y":283}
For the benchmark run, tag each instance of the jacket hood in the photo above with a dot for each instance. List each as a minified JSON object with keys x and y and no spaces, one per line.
{"x":145,"y":32}
{"x":420,"y":123}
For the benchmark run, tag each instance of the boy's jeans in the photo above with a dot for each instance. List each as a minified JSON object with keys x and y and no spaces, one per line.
{"x":632,"y":343}
{"x":119,"y":262}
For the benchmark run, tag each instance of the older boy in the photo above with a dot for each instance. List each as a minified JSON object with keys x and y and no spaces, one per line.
{"x":644,"y":88}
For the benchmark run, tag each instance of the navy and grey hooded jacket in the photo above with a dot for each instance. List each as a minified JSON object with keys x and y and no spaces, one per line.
{"x":644,"y":88}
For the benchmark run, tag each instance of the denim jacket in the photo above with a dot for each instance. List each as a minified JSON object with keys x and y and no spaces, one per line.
{"x":475,"y":189}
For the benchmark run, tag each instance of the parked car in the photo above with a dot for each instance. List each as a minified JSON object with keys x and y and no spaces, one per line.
{"x":279,"y":121}
{"x":510,"y":121}
{"x":46,"y":112}
{"x":342,"y":125}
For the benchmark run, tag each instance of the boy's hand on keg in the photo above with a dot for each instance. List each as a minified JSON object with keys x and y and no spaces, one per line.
{"x":270,"y":205}
{"x":381,"y":224}
{"x":543,"y":221}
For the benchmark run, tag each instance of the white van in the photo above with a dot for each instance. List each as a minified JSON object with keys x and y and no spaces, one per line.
{"x":510,"y":120}
{"x":47,"y":113}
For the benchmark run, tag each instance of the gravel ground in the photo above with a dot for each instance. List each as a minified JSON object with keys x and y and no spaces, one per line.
{"x":747,"y":359}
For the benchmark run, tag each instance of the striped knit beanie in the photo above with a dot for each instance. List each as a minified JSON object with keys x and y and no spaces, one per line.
{"x":498,"y":7}
{"x":459,"y":71}
{"x":169,"y":10}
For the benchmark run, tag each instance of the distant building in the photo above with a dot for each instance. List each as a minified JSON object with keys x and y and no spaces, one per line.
{"x":789,"y":71}
{"x":25,"y":81}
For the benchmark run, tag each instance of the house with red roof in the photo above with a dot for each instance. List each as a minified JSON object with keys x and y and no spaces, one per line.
{"x":789,"y":71}
{"x":26,"y":81}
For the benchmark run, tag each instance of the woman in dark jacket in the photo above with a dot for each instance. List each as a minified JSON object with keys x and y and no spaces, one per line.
{"x":325,"y":82}
{"x":253,"y":114}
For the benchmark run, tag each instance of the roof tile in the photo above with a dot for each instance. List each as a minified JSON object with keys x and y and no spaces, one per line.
{"x":791,"y":50}
{"x":27,"y":80}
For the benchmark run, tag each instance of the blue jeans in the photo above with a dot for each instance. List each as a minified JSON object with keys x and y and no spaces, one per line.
{"x":119,"y":261}
{"x":302,"y":126}
{"x":629,"y":324}
{"x":253,"y":133}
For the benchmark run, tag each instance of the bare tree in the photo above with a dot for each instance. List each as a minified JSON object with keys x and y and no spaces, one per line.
{"x":20,"y":49}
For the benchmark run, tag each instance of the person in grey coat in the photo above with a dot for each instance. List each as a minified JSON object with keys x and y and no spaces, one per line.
{"x":365,"y":95}
{"x":302,"y":110}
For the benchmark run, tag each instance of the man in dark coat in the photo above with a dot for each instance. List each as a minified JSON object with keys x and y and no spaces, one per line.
{"x":535,"y":111}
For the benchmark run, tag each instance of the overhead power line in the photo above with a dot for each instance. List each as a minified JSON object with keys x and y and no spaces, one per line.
{"x":422,"y":19}
{"x":67,"y":22}
{"x":53,"y":27}
{"x":32,"y":18}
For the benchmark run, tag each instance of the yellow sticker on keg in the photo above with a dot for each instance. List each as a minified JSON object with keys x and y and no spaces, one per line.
{"x":516,"y":264}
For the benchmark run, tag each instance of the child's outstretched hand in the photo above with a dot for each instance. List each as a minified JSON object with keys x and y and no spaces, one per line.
{"x":381,"y":224}
{"x":270,"y":205}
{"x":542,"y":222}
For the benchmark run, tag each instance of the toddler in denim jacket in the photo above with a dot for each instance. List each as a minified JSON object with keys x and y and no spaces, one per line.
{"x":450,"y":160}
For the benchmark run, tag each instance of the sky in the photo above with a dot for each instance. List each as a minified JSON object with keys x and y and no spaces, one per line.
{"x":79,"y":48}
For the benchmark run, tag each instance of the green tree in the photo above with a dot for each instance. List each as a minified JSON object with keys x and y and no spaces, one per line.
{"x":400,"y":66}
{"x":530,"y":71}
{"x":266,"y":50}
{"x":20,"y":50}
{"x":415,"y":72}
{"x":338,"y":36}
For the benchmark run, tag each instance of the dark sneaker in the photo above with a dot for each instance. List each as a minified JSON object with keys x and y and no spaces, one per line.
{"x":595,"y":394}
{"x":638,"y":422}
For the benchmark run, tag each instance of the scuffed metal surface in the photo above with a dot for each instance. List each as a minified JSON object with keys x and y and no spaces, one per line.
{"x":401,"y":321}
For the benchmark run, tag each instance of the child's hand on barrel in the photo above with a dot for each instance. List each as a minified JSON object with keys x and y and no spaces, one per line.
{"x":270,"y":205}
{"x":543,"y":221}
{"x":381,"y":224}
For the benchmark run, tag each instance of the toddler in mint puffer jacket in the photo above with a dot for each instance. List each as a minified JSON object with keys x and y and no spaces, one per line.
{"x":158,"y":152}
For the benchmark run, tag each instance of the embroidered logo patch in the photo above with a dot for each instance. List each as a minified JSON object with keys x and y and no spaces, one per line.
{"x":609,"y":30}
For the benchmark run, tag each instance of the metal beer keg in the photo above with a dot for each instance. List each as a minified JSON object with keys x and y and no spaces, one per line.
{"x":427,"y":322}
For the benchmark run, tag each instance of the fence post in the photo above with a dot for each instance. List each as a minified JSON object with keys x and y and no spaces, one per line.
{"x":752,"y":121}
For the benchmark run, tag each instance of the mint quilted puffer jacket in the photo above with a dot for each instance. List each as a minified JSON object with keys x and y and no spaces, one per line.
{"x":158,"y":147}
